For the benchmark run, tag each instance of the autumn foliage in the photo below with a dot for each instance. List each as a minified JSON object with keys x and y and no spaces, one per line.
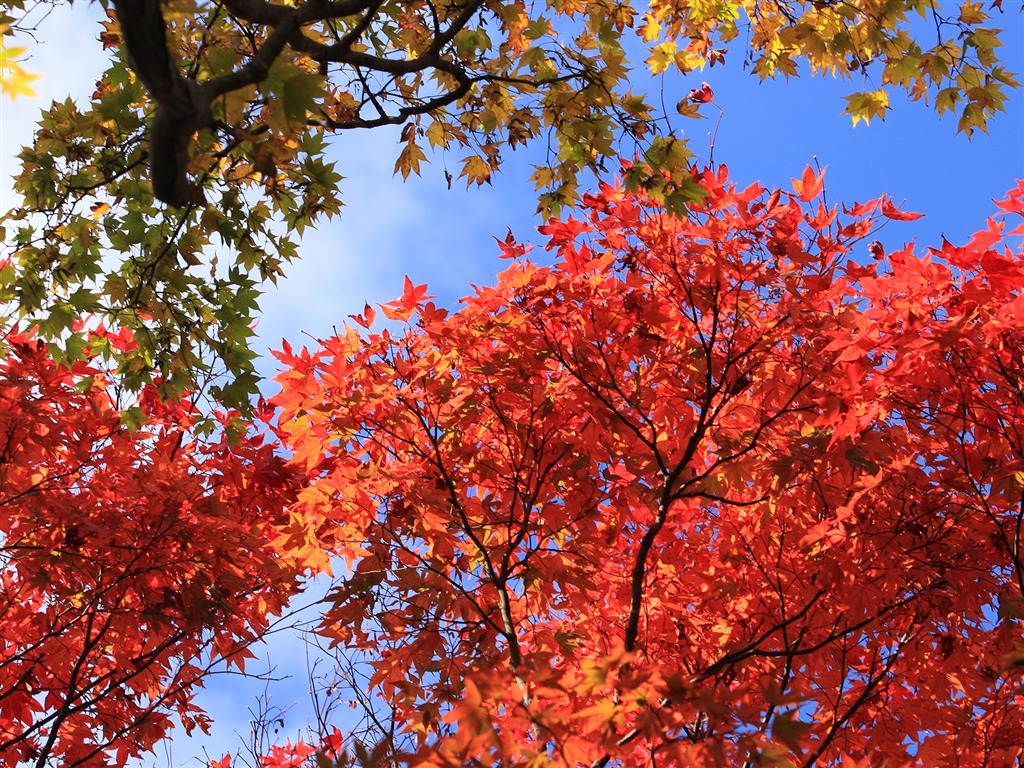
{"x":725,"y":489}
{"x":134,"y":560}
{"x":738,"y":488}
{"x":226,"y":111}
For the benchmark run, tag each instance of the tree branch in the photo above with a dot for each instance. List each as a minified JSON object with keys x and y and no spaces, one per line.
{"x":182,"y":107}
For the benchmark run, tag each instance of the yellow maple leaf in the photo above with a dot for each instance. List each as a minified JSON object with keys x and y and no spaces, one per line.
{"x":14,"y":80}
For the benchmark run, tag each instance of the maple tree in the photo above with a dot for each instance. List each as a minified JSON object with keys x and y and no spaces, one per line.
{"x":135,"y":561}
{"x":724,"y":489}
{"x":226,"y":108}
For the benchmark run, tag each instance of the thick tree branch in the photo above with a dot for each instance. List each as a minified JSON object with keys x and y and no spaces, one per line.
{"x":182,"y":107}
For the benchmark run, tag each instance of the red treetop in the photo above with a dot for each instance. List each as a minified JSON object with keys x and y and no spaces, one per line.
{"x":134,"y":560}
{"x":704,"y":492}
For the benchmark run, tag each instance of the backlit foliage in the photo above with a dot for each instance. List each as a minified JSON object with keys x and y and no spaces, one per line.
{"x":134,"y":561}
{"x":269,"y":83}
{"x":725,"y":489}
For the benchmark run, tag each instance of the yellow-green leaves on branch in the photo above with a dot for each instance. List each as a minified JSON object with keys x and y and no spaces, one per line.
{"x":864,"y":106}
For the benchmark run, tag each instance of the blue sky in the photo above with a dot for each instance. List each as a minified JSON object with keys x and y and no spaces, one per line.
{"x":769,"y":132}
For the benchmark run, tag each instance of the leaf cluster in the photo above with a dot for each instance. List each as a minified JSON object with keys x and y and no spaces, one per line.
{"x":136,"y":560}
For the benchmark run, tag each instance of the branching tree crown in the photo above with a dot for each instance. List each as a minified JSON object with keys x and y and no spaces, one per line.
{"x":715,"y":491}
{"x":135,"y":562}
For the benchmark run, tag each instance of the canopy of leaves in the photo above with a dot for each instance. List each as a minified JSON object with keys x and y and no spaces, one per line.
{"x":707,"y":491}
{"x":228,"y":105}
{"x":132,"y":561}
